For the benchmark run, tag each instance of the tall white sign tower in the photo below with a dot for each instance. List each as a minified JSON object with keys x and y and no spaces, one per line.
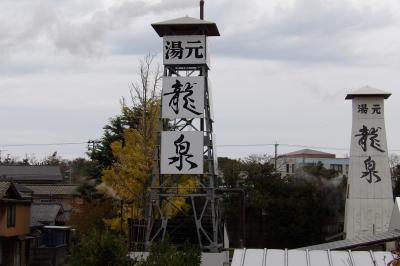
{"x":369,"y":200}
{"x":186,"y":140}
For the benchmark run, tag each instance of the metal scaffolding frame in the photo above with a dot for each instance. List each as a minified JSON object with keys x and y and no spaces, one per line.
{"x":202,"y":198}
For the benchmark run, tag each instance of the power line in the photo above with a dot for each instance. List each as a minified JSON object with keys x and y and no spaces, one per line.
{"x":291,"y":145}
{"x":245,"y":145}
{"x":43,"y":144}
{"x":280,"y":144}
{"x":220,"y":146}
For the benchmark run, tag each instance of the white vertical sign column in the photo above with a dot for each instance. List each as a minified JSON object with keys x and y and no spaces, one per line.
{"x":369,"y":200}
{"x":182,"y":152}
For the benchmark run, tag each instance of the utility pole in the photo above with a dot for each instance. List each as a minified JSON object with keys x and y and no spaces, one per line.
{"x":92,"y":144}
{"x":276,"y":155}
{"x":201,"y":9}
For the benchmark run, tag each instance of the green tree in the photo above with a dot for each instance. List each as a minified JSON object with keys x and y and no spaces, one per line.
{"x":142,"y":93}
{"x":318,"y":171}
{"x":89,"y":215}
{"x":165,"y":254}
{"x":282,"y":212}
{"x":101,"y":152}
{"x":229,"y":172}
{"x":99,"y":249}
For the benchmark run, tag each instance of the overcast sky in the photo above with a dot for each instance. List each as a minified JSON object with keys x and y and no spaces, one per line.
{"x":280,"y":69}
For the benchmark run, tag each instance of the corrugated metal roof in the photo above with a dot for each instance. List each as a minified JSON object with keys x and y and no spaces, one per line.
{"x":358,"y":241}
{"x":25,"y":173}
{"x":53,"y":189}
{"x":279,"y":257}
{"x":367,"y":91}
{"x":308,"y":153}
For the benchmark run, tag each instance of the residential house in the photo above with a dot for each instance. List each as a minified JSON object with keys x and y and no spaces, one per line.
{"x":14,"y":225}
{"x":31,"y":174}
{"x":50,"y":205}
{"x":288,"y":163}
{"x":63,"y":196}
{"x":45,"y":184}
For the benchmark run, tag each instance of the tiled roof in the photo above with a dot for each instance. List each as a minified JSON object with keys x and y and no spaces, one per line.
{"x":4,"y":186}
{"x":23,"y":191}
{"x":53,"y":189}
{"x":44,"y":213}
{"x":26,"y":173}
{"x":18,"y":191}
{"x":358,"y":241}
{"x":63,"y":217}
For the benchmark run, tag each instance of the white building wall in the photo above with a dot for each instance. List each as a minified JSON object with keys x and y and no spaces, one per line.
{"x":298,"y":162}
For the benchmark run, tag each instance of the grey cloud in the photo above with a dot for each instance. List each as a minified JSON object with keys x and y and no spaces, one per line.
{"x":311,"y":30}
{"x":80,"y":35}
{"x":86,"y":38}
{"x":324,"y":94}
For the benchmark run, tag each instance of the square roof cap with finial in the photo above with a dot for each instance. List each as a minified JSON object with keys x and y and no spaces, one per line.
{"x":367,"y":92}
{"x":186,"y":26}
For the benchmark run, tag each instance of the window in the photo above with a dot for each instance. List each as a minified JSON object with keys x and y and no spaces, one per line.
{"x":293,"y":168}
{"x":47,"y":200}
{"x":288,"y":168}
{"x":337,"y":167}
{"x":11,"y":215}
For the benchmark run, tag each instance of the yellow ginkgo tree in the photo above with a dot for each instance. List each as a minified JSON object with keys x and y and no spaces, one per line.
{"x":128,"y":180}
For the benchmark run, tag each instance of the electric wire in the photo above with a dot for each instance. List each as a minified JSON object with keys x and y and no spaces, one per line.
{"x":43,"y":144}
{"x":219,"y":146}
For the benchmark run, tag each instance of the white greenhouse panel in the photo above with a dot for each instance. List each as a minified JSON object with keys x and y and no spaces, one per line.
{"x":297,"y":258}
{"x":362,"y":258}
{"x":237,"y":257}
{"x":319,"y":257}
{"x":254,"y":257}
{"x":341,"y":258}
{"x":382,"y":258}
{"x":275,"y":257}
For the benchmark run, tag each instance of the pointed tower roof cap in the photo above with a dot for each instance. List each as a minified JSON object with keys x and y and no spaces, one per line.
{"x":367,"y":92}
{"x":186,"y":26}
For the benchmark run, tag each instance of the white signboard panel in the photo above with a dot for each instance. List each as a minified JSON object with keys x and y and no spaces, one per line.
{"x":185,"y":50}
{"x":183,"y":97}
{"x":182,"y":152}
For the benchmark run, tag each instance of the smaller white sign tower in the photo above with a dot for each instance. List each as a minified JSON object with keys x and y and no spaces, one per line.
{"x":369,"y":200}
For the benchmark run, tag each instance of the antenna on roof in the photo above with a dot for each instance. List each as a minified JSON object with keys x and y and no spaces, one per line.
{"x":201,"y":9}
